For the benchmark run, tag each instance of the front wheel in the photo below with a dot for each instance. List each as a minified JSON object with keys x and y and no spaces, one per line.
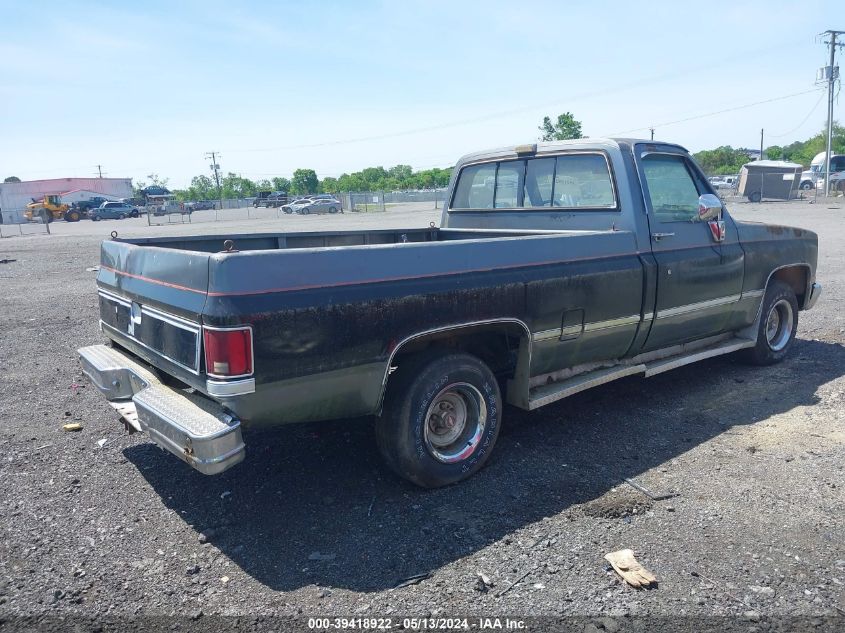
{"x":441,"y":418}
{"x":95,"y":218}
{"x":778,"y":324}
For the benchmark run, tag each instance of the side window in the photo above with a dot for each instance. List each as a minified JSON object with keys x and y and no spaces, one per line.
{"x":539,"y":176}
{"x":509,"y":183}
{"x":475,"y":187}
{"x":672,"y":189}
{"x":582,"y":180}
{"x":837,"y":163}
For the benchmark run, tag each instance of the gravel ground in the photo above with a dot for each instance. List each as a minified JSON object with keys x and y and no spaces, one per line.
{"x":312,"y":523}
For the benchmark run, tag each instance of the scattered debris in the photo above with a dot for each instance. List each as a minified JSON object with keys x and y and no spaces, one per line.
{"x":38,"y":448}
{"x":320,"y":556}
{"x":192,"y":570}
{"x":413,"y":580}
{"x":752,"y":616}
{"x":648,"y":493}
{"x":72,"y":426}
{"x":93,"y":269}
{"x":225,"y":494}
{"x":632,"y":572}
{"x":483,"y":583}
{"x":516,"y":582}
{"x":370,"y":509}
{"x":539,"y":585}
{"x":7,"y":261}
{"x":224,"y":579}
{"x":102,"y":442}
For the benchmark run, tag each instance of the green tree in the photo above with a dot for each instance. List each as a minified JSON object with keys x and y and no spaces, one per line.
{"x":304,"y":181}
{"x":329,"y":185}
{"x":281,"y":184}
{"x":11,"y":179}
{"x":264,"y":185}
{"x":401,"y":173}
{"x":565,"y":128}
{"x":155,"y":181}
{"x":235,"y":186}
{"x":722,"y":160}
{"x":774,"y":152}
{"x":202,"y":188}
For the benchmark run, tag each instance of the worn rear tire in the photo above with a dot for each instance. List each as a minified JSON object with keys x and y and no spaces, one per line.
{"x":777,"y":327}
{"x":441,"y":418}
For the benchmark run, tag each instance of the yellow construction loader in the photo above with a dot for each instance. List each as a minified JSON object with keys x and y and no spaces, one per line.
{"x":51,"y":208}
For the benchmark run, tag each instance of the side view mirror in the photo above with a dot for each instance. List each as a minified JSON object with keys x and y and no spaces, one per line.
{"x":709,"y":207}
{"x":710,"y":211}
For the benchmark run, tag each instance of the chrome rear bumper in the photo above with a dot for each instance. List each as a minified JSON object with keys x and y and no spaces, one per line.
{"x":193,"y":428}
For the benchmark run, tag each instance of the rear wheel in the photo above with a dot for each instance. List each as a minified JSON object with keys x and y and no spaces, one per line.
{"x":755,"y":196}
{"x":441,"y":418}
{"x":806,"y":185}
{"x":332,"y":209}
{"x":95,"y":218}
{"x":121,"y":216}
{"x":72,"y":216}
{"x":778,"y":324}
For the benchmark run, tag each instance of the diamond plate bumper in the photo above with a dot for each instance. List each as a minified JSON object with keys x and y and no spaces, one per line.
{"x":192,"y":427}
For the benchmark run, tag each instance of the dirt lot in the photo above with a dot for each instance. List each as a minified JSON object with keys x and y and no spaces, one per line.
{"x":312,"y":523}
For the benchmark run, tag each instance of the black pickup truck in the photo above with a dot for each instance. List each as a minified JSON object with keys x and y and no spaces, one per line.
{"x":271,"y":199}
{"x":557,"y":267}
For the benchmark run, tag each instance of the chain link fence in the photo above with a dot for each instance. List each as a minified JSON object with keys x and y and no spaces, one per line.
{"x":13,"y":223}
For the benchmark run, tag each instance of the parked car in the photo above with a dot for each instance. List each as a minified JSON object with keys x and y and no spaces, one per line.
{"x":433,"y":330}
{"x":85,"y":206}
{"x":113,"y":211}
{"x":200,"y":205}
{"x":314,"y":205}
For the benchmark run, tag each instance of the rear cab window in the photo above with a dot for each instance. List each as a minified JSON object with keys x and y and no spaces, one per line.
{"x":572,"y":181}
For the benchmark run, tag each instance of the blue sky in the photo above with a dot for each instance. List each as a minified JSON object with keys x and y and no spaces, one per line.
{"x":149,"y":87}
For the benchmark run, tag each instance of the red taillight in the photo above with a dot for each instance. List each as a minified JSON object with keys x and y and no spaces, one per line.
{"x":228,"y":352}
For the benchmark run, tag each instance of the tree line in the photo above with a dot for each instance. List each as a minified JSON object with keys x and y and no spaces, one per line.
{"x":728,"y":160}
{"x":722,"y":160}
{"x":306,"y":181}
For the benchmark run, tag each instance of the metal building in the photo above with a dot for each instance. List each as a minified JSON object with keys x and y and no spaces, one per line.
{"x":14,"y":196}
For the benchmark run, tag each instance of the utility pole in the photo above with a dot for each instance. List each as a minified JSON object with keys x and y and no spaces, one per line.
{"x":761,"y":143}
{"x":831,"y":73}
{"x":652,"y":133}
{"x":216,"y":169}
{"x":100,"y":170}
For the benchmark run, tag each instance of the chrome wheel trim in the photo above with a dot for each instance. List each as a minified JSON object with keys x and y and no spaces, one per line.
{"x":454,"y":422}
{"x":779,"y":325}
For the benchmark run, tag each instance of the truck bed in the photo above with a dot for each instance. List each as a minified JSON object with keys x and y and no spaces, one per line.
{"x":326,"y":239}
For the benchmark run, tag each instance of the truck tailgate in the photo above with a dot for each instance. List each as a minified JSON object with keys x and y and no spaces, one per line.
{"x":151,"y":300}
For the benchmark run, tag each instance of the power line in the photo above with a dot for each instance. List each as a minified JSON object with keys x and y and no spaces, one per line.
{"x":709,"y":114}
{"x":684,"y":72}
{"x":806,"y":118}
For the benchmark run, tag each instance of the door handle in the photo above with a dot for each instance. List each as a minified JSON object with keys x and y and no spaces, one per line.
{"x":660,"y":236}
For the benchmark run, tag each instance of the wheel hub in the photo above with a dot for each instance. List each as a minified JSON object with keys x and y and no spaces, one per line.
{"x":454,"y":422}
{"x":779,"y":325}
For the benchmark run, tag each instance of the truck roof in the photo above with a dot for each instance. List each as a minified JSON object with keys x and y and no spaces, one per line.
{"x":547,"y":147}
